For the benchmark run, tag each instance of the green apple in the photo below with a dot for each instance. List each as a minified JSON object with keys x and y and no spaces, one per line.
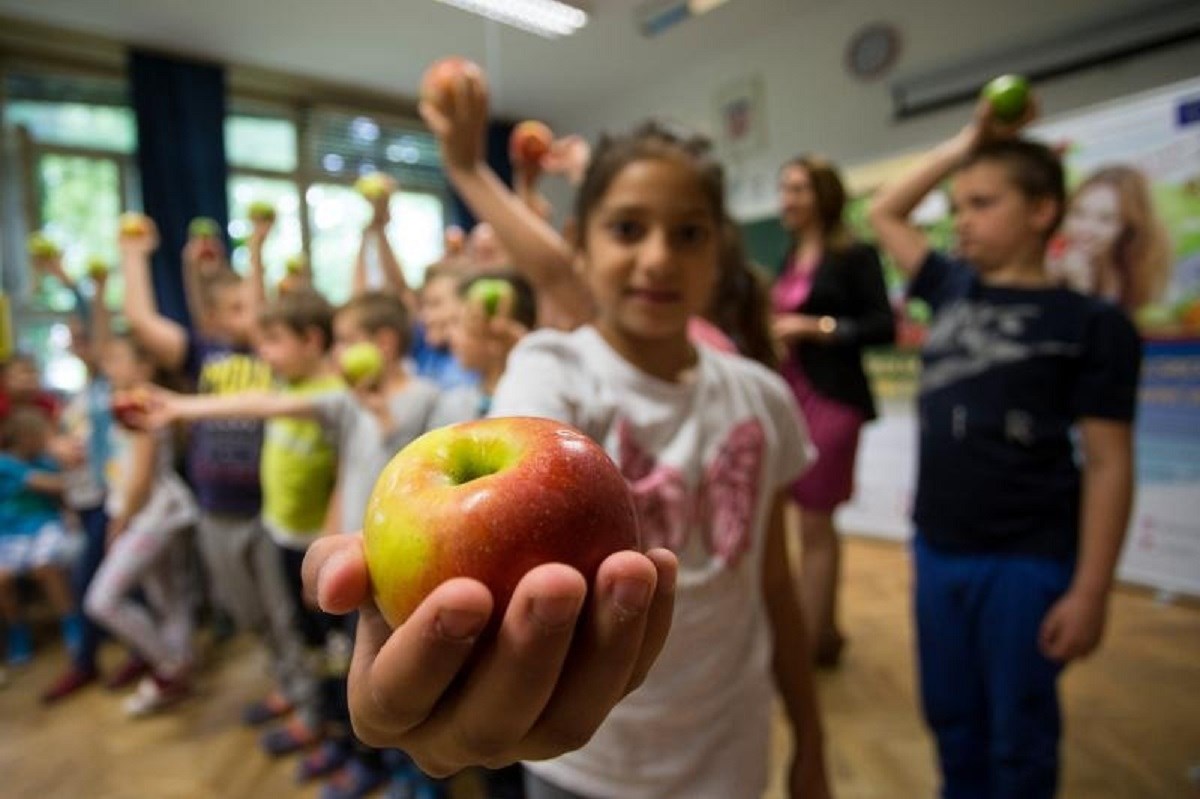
{"x":261,"y":211}
{"x":361,"y":364}
{"x":202,"y":227}
{"x":97,"y":267}
{"x":296,"y":264}
{"x":39,"y":245}
{"x":490,"y":500}
{"x":490,"y":292}
{"x":375,"y":186}
{"x":1008,"y":96}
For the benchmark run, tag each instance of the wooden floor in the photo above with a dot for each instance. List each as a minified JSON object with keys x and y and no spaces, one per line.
{"x":1133,"y":715}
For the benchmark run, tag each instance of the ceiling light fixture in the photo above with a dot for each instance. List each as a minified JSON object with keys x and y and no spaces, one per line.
{"x":548,"y":18}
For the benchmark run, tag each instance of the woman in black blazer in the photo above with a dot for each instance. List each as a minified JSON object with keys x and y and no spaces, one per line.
{"x":830,"y":301}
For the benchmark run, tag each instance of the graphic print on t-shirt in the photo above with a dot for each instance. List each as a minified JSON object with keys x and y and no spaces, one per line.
{"x":722,"y":506}
{"x":970,"y":338}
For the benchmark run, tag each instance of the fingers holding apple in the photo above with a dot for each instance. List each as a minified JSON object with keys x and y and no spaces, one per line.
{"x":454,"y":105}
{"x":137,"y":234}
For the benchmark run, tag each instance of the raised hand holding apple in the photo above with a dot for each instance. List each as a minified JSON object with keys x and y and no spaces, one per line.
{"x":137,"y":234}
{"x":456,"y":112}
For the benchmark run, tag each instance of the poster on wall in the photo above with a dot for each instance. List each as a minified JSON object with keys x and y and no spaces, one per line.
{"x":1132,"y":235}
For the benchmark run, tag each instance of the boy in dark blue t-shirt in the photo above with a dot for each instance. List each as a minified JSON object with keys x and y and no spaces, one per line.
{"x":1017,"y":537}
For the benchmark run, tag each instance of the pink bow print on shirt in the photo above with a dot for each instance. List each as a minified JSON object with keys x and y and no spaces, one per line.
{"x":659,"y":493}
{"x":723,"y":506}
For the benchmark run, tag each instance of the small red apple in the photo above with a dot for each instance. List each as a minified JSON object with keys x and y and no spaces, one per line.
{"x":133,"y":224}
{"x":437,"y":85}
{"x":492,"y":499}
{"x":129,"y":408}
{"x":529,"y":142}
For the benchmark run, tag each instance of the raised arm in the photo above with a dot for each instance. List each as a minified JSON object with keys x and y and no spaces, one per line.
{"x":260,"y":229}
{"x":892,"y":206}
{"x":163,"y":338}
{"x":538,"y":251}
{"x":166,"y":407}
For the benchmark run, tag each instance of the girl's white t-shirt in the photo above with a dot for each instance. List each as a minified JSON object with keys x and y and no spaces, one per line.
{"x":705,"y":457}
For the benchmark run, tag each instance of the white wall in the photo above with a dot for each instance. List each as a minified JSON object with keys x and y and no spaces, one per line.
{"x":813,"y":104}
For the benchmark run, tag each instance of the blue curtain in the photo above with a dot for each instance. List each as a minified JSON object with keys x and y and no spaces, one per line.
{"x":497,"y":158}
{"x":180,"y":109}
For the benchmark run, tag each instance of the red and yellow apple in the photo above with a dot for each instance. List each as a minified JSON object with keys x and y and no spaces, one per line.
{"x":1008,"y":95}
{"x":490,"y":500}
{"x":133,"y":224}
{"x":439,"y":82}
{"x":129,"y":407}
{"x":361,"y":364}
{"x":261,"y":211}
{"x":39,"y":245}
{"x":529,"y":142}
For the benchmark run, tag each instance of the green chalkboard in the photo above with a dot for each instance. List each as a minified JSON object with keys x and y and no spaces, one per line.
{"x":766,"y":243}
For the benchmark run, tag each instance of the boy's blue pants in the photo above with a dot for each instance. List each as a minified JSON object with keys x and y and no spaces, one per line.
{"x":987,"y":692}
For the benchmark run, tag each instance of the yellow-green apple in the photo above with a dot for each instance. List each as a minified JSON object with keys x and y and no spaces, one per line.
{"x":491,"y":293}
{"x":529,"y":142}
{"x":296,"y":264}
{"x":438,"y":83}
{"x":203,"y":227}
{"x":97,"y":268}
{"x":361,"y":364}
{"x":490,"y":500}
{"x":133,"y":224}
{"x":261,"y":211}
{"x":39,"y":245}
{"x":1008,"y":95}
{"x":375,"y":186}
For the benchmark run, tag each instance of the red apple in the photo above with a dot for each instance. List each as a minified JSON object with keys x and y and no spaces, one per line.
{"x":129,"y":407}
{"x":437,"y":85}
{"x":361,"y":364}
{"x":490,"y":500}
{"x":133,"y":224}
{"x":529,"y":142}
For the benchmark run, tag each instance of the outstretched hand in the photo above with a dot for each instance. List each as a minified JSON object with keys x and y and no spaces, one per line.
{"x":986,"y":127}
{"x":554,"y":669}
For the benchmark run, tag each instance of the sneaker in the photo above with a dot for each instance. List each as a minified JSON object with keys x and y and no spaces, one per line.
{"x":132,"y":670}
{"x":156,"y":693}
{"x":354,"y":781}
{"x":20,"y":645}
{"x":285,"y":739}
{"x":275,"y":706}
{"x":329,"y":757}
{"x":73,"y":680}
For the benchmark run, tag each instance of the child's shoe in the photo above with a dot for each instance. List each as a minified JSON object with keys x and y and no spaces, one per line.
{"x":132,"y":670}
{"x":20,"y":645}
{"x":290,"y":737}
{"x":73,"y":680}
{"x":156,"y":693}
{"x":354,"y":781}
{"x":327,"y":758}
{"x":275,"y":706}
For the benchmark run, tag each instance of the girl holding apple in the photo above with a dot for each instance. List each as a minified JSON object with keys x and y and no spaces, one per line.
{"x":708,"y":443}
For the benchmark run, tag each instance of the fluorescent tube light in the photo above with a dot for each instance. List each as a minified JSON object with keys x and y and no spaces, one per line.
{"x":548,"y":18}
